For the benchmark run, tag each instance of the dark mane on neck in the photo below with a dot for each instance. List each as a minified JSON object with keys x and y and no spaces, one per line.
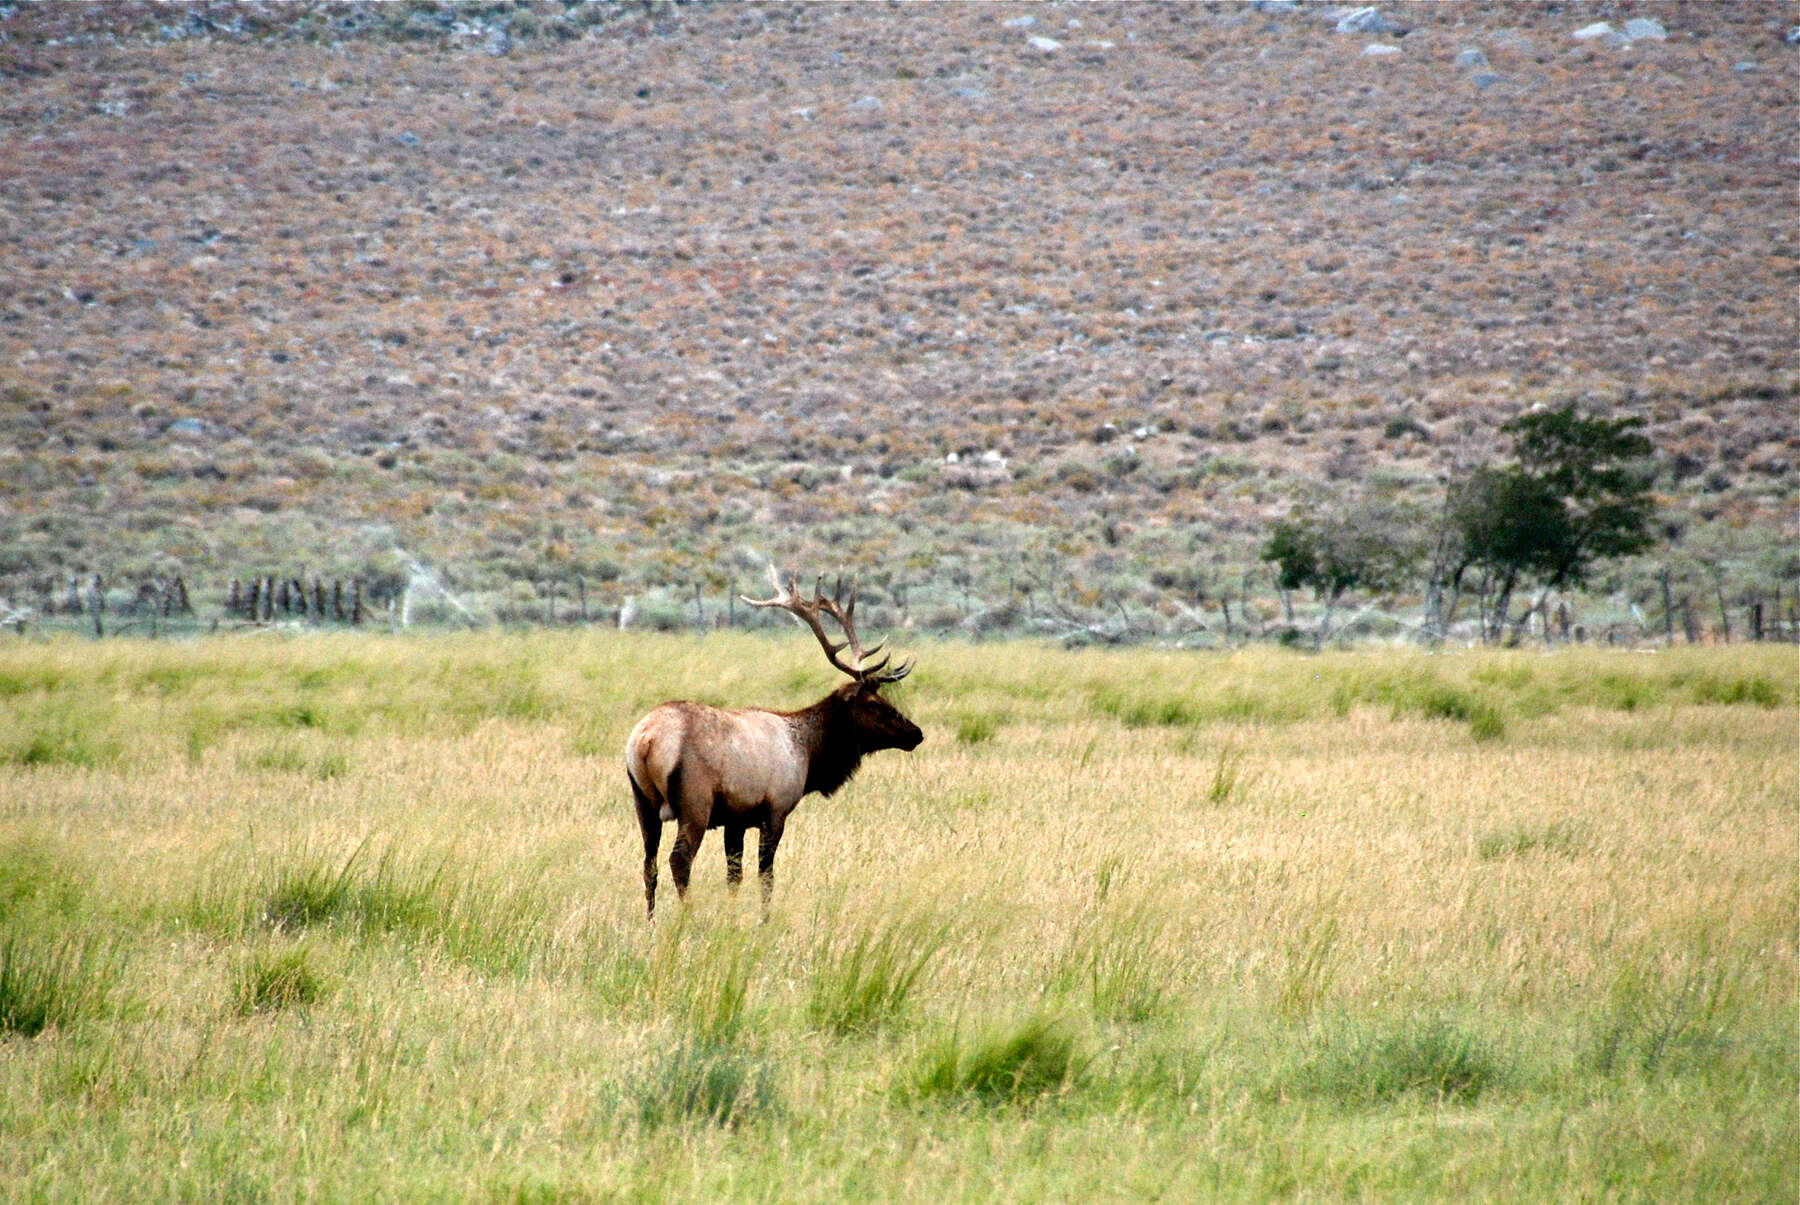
{"x":829,"y":737}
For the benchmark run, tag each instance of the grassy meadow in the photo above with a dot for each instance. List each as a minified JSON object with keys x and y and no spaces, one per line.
{"x":361,"y":918}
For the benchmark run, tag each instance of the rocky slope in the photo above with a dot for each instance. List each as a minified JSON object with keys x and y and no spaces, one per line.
{"x":979,"y":299}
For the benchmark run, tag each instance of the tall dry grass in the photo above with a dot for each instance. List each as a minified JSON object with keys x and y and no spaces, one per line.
{"x":363,"y":917}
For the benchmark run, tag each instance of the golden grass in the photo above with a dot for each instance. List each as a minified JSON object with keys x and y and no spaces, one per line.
{"x":1305,"y":929}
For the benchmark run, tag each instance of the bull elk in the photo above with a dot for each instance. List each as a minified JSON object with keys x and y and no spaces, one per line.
{"x":709,"y":767}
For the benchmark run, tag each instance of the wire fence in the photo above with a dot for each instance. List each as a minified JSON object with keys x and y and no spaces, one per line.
{"x":169,"y":607}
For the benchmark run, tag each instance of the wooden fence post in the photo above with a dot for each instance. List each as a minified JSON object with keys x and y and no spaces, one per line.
{"x":1668,"y":608}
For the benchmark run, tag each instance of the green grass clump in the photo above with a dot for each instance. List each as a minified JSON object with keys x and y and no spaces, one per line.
{"x":1004,"y":1066}
{"x":1436,"y":700}
{"x":1312,"y":963}
{"x":1142,"y":712}
{"x":1118,"y":963}
{"x":494,"y":926}
{"x":1487,"y":724}
{"x":1228,"y":777}
{"x":702,"y":978}
{"x":697,"y":1080}
{"x":35,"y":877}
{"x":269,"y":980}
{"x":1732,"y":690}
{"x":60,"y":745}
{"x":973,"y":728}
{"x":1367,"y":1065}
{"x":1440,"y":702}
{"x":1661,"y":1016}
{"x":46,"y":982}
{"x":1558,"y":837}
{"x":1626,"y":692}
{"x":863,"y":982}
{"x":289,"y":759}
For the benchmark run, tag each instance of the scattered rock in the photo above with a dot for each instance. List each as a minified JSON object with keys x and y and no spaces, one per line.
{"x":1599,"y":31}
{"x":1366,"y":20}
{"x":1047,"y":45}
{"x":1486,"y":79}
{"x":1639,"y":28}
{"x":187,"y":426}
{"x":867,"y":104}
{"x":1471,"y":58}
{"x":1746,"y":65}
{"x":1379,"y":50}
{"x":1019,"y":22}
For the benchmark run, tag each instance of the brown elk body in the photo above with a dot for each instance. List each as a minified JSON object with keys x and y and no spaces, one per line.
{"x":736,"y":769}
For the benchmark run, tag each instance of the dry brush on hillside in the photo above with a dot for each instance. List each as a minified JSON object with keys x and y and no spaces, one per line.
{"x":993,"y":293}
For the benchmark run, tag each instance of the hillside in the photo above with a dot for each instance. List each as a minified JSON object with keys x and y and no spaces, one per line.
{"x":1006,"y":306}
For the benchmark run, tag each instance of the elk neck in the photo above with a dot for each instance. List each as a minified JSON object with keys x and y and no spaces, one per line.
{"x":828,"y":737}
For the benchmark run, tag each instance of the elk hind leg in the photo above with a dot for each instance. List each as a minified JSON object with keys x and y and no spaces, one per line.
{"x":649,"y":814}
{"x":690,"y":829}
{"x":688,"y":835}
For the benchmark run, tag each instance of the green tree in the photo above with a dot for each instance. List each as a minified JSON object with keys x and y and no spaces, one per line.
{"x":1578,"y":492}
{"x":1371,"y":547}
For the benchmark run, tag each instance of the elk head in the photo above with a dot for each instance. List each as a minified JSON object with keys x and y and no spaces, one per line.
{"x":877,"y":723}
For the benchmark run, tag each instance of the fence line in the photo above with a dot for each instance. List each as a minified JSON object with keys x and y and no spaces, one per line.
{"x":157,"y":604}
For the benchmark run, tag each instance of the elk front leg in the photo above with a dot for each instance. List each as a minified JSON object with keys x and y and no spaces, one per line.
{"x":734,"y":855}
{"x":766,"y":842}
{"x":688,"y":836}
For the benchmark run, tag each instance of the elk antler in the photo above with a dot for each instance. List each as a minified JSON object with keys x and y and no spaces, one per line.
{"x":842,"y":608}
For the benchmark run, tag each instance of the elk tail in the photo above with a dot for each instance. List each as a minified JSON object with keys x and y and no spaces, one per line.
{"x":649,"y":812}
